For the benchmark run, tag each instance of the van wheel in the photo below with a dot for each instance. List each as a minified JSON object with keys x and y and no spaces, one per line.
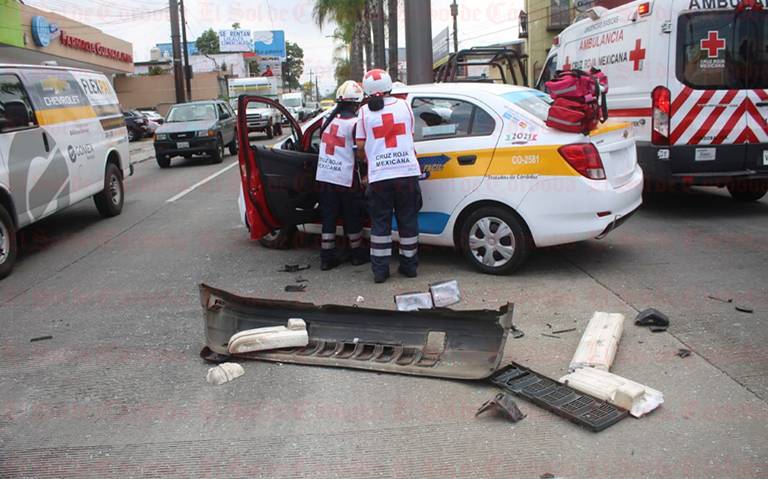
{"x":109,"y":201}
{"x":8,"y":245}
{"x":163,"y":161}
{"x":494,"y":240}
{"x":279,"y":239}
{"x":270,"y":131}
{"x":750,"y":190}
{"x":218,"y":154}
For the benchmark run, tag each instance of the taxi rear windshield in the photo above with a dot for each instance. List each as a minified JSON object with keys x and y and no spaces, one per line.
{"x":533,"y":102}
{"x":723,"y":49}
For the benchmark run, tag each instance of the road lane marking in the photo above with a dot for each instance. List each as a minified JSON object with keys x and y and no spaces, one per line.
{"x":201,"y":183}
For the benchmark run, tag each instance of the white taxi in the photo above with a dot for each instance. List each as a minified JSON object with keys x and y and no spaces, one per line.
{"x":496,"y":181}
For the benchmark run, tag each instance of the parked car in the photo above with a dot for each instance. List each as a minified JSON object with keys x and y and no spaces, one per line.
{"x":327,"y":104}
{"x":137,"y":125}
{"x":153,"y":116}
{"x":496,"y":181}
{"x":201,"y":127}
{"x":62,"y":140}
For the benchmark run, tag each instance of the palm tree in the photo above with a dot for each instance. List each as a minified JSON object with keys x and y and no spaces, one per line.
{"x":392,"y":33}
{"x":349,"y":16}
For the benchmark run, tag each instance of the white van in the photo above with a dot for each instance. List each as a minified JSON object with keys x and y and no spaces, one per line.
{"x":692,"y":76}
{"x":62,"y":139}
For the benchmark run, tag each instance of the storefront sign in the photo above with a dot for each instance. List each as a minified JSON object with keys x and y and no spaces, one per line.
{"x":269,"y":43}
{"x":234,"y":41}
{"x":42,"y":31}
{"x":94,"y":47}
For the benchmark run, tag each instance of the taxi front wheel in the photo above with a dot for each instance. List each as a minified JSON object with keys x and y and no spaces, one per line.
{"x":495,"y":240}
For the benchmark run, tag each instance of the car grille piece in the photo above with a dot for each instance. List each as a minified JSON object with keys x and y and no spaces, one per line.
{"x":579,"y":408}
{"x":186,"y":135}
{"x":439,"y":343}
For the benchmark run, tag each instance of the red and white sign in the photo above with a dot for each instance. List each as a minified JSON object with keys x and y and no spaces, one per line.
{"x":336,"y":161}
{"x":388,"y":135}
{"x":713,"y":44}
{"x":94,"y":47}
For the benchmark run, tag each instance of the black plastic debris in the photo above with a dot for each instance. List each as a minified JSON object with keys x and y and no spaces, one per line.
{"x":744,"y":309}
{"x":516,"y":333}
{"x":302,"y":280}
{"x":295,"y":288}
{"x":654,"y":319}
{"x":504,"y":405}
{"x":561,"y":331}
{"x":729,"y":300}
{"x":683,"y":353}
{"x":40,"y":338}
{"x":550,"y":335}
{"x":293,"y":268}
{"x":582,"y":409}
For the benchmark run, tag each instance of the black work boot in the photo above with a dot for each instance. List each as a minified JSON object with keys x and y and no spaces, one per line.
{"x":327,"y":263}
{"x":380,"y":276}
{"x":360,"y":256}
{"x":407,"y":272}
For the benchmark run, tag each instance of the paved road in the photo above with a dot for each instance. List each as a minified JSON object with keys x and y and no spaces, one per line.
{"x":120,"y":391}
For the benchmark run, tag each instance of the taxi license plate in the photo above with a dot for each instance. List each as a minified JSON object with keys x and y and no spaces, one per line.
{"x":182,"y":144}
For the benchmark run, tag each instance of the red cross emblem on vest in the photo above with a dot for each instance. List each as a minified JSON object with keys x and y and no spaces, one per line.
{"x":332,"y":139}
{"x":713,"y":44}
{"x":389,"y":130}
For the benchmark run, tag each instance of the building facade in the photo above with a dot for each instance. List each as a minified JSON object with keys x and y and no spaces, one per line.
{"x":33,"y":36}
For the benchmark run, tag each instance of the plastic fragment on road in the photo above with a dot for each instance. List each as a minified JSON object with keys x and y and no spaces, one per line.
{"x":599,"y":343}
{"x":293,"y":268}
{"x":296,"y":288}
{"x":223,"y":373}
{"x":683,"y":353}
{"x":744,"y":309}
{"x":445,"y":293}
{"x":654,"y":319}
{"x":41,"y":338}
{"x":580,"y":408}
{"x":617,"y":390}
{"x":504,"y":405}
{"x":293,"y":335}
{"x":413,"y":301}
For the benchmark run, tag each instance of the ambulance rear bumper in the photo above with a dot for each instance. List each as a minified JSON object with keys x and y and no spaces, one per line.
{"x":732,"y":163}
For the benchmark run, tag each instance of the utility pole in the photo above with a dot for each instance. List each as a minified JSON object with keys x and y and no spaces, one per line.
{"x":379,"y":55}
{"x":455,"y":15}
{"x":418,"y":41}
{"x":178,"y":77}
{"x":187,"y":66}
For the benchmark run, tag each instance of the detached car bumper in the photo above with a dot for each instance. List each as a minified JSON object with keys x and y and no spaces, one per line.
{"x":196,"y":145}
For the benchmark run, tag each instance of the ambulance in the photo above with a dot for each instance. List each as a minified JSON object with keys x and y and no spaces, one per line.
{"x":62,"y":140}
{"x":692,"y":77}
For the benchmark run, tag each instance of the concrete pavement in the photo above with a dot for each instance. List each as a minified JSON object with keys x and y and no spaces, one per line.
{"x":120,"y":391}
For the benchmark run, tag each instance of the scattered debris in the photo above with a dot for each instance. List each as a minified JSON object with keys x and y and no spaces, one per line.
{"x":619,"y":391}
{"x":224,"y":373}
{"x":293,"y":268}
{"x":598,"y":345}
{"x":654,"y":319}
{"x":273,"y":337}
{"x":359,"y":300}
{"x":302,"y":280}
{"x":561,"y":331}
{"x":40,"y":338}
{"x":413,"y":301}
{"x":296,"y":288}
{"x":579,"y":408}
{"x":744,"y":309}
{"x":550,"y":335}
{"x":729,"y":300}
{"x":503,"y":404}
{"x":683,"y":353}
{"x":549,"y":326}
{"x":436,"y":342}
{"x":515,"y":332}
{"x":445,"y":293}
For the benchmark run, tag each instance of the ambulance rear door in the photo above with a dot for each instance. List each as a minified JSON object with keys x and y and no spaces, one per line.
{"x":757,"y":79}
{"x":709,"y":97}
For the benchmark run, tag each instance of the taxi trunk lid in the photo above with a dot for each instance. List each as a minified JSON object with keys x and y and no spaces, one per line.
{"x":616,"y":144}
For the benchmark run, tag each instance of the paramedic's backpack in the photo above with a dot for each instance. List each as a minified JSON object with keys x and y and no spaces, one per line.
{"x":579,"y":100}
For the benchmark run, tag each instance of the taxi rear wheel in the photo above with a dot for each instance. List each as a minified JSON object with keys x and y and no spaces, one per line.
{"x":494,"y":240}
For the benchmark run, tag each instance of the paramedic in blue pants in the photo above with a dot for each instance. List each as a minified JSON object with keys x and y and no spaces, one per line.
{"x":385,"y":134}
{"x":338,"y":179}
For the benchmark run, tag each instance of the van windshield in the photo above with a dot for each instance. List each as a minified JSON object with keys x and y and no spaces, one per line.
{"x":292,"y":102}
{"x":723,"y":49}
{"x":191,"y":113}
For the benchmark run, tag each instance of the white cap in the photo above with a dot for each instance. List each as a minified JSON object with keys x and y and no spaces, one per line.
{"x":350,"y":91}
{"x":377,"y":82}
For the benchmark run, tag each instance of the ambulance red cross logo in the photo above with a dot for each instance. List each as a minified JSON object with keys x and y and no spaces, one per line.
{"x":713,"y":44}
{"x":389,"y":130}
{"x":637,"y":55}
{"x":332,"y":139}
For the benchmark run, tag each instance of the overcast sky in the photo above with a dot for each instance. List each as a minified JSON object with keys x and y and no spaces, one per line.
{"x":145,"y":23}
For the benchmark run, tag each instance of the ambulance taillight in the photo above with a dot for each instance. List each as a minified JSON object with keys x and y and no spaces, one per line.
{"x":661,"y":115}
{"x":644,"y":9}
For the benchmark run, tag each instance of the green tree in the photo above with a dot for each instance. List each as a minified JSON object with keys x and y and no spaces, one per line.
{"x":349,"y":17}
{"x":236,"y":26}
{"x":155,"y":70}
{"x":294,"y":65}
{"x":208,"y":42}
